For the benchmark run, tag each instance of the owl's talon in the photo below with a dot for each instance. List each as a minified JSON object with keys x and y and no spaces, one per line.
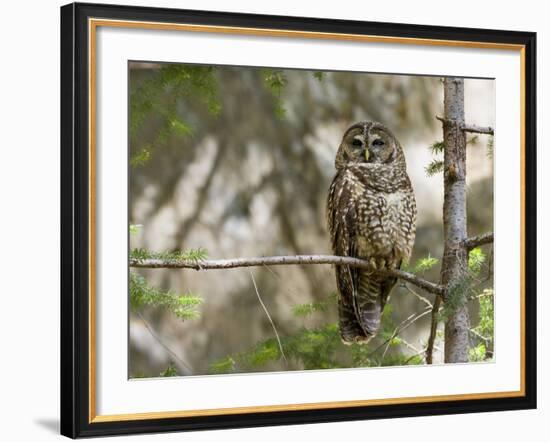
{"x":372,"y":263}
{"x":359,"y":339}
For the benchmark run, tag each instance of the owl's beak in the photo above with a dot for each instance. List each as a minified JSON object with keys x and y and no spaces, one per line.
{"x":367,"y":154}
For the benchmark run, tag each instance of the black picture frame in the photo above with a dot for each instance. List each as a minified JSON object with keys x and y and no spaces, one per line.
{"x":75,"y":195}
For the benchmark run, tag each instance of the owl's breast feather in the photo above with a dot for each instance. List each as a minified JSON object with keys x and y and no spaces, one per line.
{"x":394,"y":199}
{"x":381,"y":233}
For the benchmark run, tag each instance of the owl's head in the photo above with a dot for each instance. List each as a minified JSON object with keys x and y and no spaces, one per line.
{"x":369,"y":143}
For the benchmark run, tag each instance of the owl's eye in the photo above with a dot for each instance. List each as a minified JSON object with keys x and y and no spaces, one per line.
{"x":357,"y":143}
{"x":378,"y":142}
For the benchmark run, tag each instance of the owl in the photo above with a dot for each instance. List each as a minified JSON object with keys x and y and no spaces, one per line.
{"x":371,"y":213}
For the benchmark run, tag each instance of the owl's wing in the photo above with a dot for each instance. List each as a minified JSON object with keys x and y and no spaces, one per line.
{"x":344,"y":244}
{"x":408,"y":223}
{"x":342,"y":218}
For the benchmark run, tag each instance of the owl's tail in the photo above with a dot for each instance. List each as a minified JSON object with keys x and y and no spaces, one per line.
{"x":370,"y":298}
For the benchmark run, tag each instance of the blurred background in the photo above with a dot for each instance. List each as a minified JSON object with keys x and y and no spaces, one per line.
{"x":236,"y":162}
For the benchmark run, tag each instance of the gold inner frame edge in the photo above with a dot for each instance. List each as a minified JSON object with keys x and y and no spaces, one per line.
{"x":93,"y":24}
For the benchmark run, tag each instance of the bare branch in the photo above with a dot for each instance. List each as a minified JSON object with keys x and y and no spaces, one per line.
{"x":406,"y":323}
{"x":172,"y":353}
{"x":268,"y":317}
{"x":479,"y":240}
{"x":480,"y":336}
{"x":478,"y":129}
{"x":411,"y":346}
{"x":417,"y":295}
{"x":414,"y":355}
{"x":214,"y":264}
{"x":468,"y":127}
{"x":433,"y":330}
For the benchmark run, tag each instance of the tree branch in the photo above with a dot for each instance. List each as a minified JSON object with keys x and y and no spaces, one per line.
{"x":479,"y":240}
{"x":469,"y":127}
{"x":478,"y":129}
{"x":172,"y":353}
{"x":417,"y":295}
{"x":269,"y":317}
{"x":433,"y":330}
{"x":283,"y":260}
{"x":406,"y":323}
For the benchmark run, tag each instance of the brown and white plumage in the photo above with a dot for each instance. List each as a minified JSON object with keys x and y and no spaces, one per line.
{"x":371,"y":215}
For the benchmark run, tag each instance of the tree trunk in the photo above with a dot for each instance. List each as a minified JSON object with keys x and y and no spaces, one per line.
{"x":454,"y":268}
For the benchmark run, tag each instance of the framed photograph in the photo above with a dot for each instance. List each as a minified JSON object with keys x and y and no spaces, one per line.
{"x":274,"y":220}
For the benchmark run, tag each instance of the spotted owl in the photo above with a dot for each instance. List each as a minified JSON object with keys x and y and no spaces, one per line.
{"x":371,"y":213}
